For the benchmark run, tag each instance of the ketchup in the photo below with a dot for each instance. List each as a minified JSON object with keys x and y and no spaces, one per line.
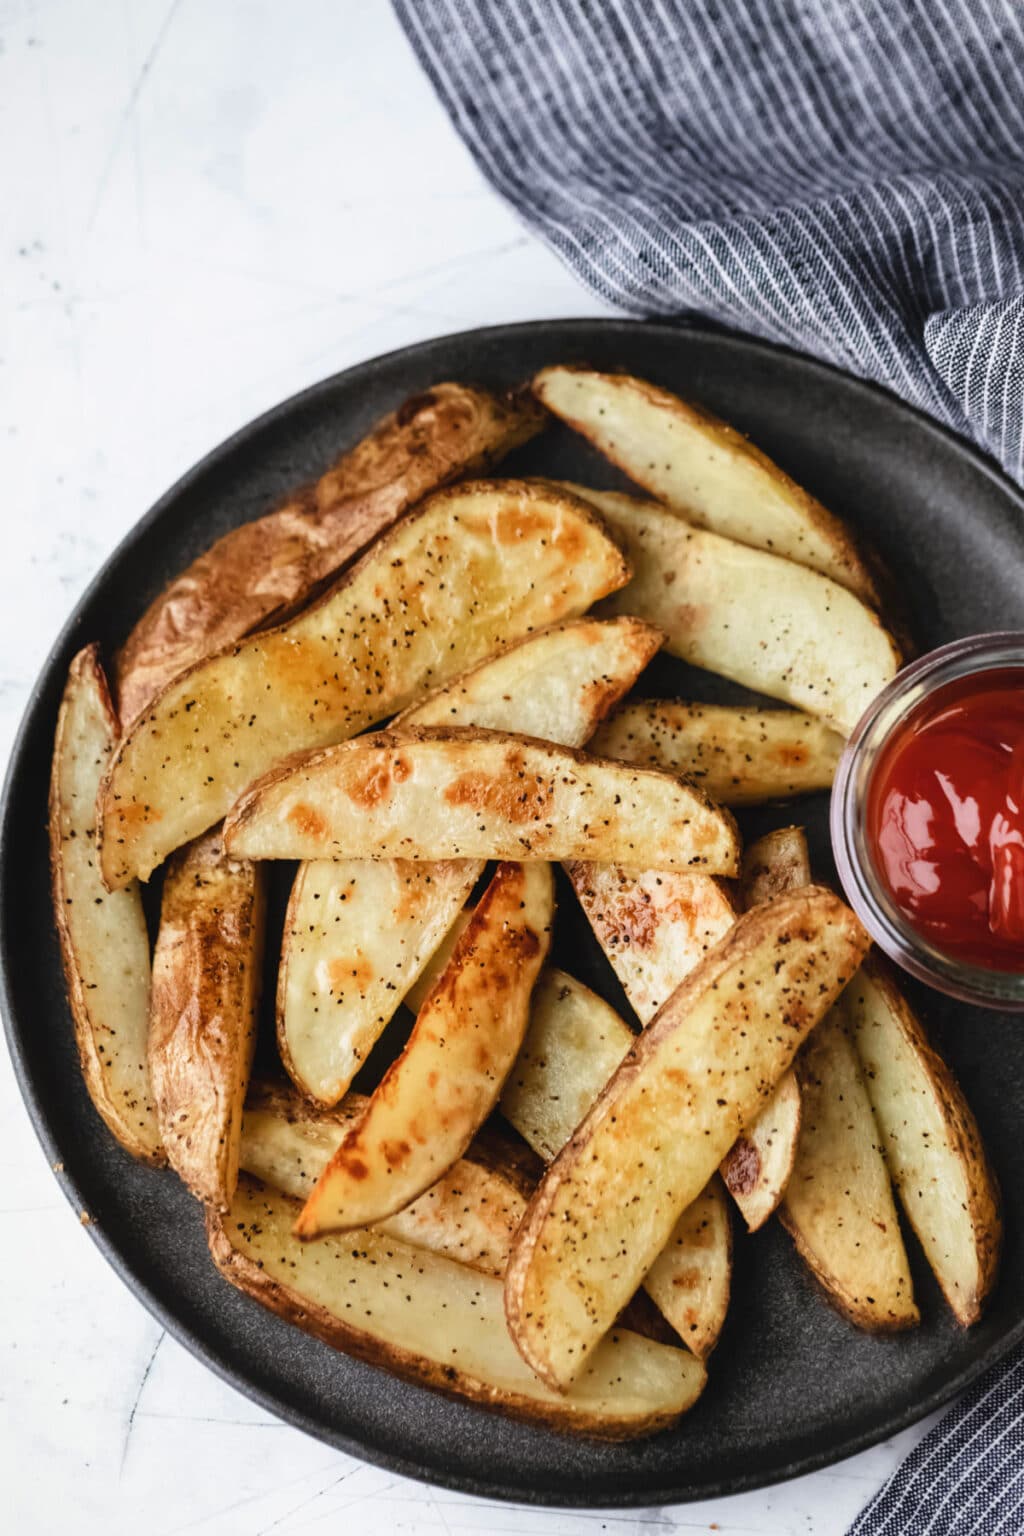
{"x":945,"y":817}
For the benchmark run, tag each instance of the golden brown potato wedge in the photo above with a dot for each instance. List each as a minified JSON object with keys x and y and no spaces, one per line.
{"x":654,"y":926}
{"x":704,"y":469}
{"x":696,"y":1078}
{"x":759,"y":1163}
{"x":739,"y":755}
{"x":103,"y":937}
{"x":574,"y":1043}
{"x":457,"y":793}
{"x":931,"y":1141}
{"x":750,"y":616}
{"x":475,"y":567}
{"x":838,"y":1206}
{"x":356,"y":935}
{"x":438,"y":1323}
{"x":435,"y":1097}
{"x":775,"y":863}
{"x":258,"y":572}
{"x":470,"y":1214}
{"x":206,"y":984}
{"x":691,"y":1279}
{"x":558,"y":685}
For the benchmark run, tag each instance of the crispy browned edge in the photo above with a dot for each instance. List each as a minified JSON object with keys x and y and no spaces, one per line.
{"x":351,"y":494}
{"x":648,"y":640}
{"x":426,"y":508}
{"x":208,"y":1177}
{"x":86,"y":661}
{"x":331,"y":1329}
{"x":246,"y":807}
{"x":985,"y":1197}
{"x":862,"y":582}
{"x":741,"y":940}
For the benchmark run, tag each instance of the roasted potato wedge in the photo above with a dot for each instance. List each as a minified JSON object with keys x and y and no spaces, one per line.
{"x":759,"y":1163}
{"x":260,"y":571}
{"x":207,"y":969}
{"x":931,"y":1141}
{"x":750,"y":616}
{"x":838,"y":1206}
{"x":696,"y":1078}
{"x":758,"y":1166}
{"x":356,"y":935}
{"x":776,"y":863}
{"x":574,"y":1043}
{"x":438,"y":1323}
{"x":558,"y":685}
{"x":474,"y":567}
{"x":704,"y":469}
{"x":462,"y":793}
{"x":103,"y":939}
{"x":740,"y":756}
{"x":470,"y":1214}
{"x":654,"y":926}
{"x":436,"y":1096}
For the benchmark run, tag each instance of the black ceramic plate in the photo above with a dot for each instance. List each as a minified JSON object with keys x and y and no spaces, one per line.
{"x":792,"y":1386}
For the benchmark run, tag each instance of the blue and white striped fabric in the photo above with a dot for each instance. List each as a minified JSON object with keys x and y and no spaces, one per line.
{"x":843,"y":176}
{"x":966,"y":1478}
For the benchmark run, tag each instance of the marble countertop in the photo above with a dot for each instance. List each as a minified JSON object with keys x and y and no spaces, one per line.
{"x":207,"y":207}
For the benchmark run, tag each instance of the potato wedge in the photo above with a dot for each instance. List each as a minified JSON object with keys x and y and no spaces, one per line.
{"x":103,"y":939}
{"x":931,"y":1141}
{"x":759,"y":1164}
{"x":438,"y":1323}
{"x":776,"y":863}
{"x":558,"y":685}
{"x":438,"y":962}
{"x":457,"y":793}
{"x":435,"y":1097}
{"x":470,"y":1214}
{"x":260,"y":571}
{"x":654,"y":926}
{"x":474,"y":567}
{"x":696,"y":1078}
{"x":740,"y":756}
{"x":750,"y":616}
{"x":704,"y":469}
{"x":838,"y":1206}
{"x":357,"y":935}
{"x":757,"y":1168}
{"x":207,"y":969}
{"x":573,"y":1045}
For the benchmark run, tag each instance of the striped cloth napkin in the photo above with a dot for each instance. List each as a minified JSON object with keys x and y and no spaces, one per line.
{"x":843,"y":176}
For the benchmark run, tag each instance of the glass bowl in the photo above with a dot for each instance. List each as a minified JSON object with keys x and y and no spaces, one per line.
{"x":865,"y":890}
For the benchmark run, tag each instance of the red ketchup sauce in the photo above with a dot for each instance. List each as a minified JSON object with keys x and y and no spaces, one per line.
{"x":945,"y":818}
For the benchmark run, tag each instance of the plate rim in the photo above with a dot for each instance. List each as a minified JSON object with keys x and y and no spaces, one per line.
{"x":179,"y":1329}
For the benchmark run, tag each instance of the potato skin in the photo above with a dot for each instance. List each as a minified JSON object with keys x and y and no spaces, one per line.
{"x":104,"y":942}
{"x":257,"y":573}
{"x":206,"y":983}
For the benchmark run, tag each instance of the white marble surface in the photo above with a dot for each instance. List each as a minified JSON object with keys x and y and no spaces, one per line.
{"x":208,"y":204}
